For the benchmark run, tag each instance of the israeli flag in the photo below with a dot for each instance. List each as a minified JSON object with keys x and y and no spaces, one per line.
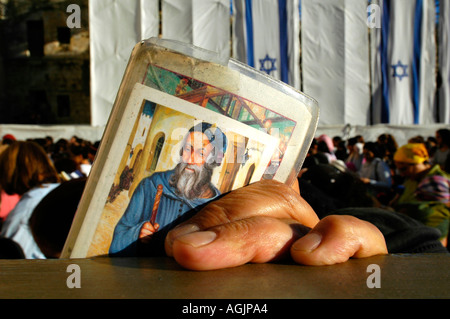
{"x":266,"y":37}
{"x":407,"y":61}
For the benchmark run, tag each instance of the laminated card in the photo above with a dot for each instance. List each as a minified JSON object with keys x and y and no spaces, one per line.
{"x":186,"y":127}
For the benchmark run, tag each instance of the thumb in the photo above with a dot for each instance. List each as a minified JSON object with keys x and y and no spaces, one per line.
{"x":335,"y":239}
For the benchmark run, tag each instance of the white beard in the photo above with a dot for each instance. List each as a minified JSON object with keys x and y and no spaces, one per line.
{"x":191,"y":184}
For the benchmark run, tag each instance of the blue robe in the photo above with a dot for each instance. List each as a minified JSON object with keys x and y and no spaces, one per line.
{"x":172,"y":210}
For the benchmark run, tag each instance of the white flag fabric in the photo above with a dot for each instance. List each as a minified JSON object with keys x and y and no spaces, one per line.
{"x":114,"y":29}
{"x":211,"y":25}
{"x":357,"y":68}
{"x":444,"y":62}
{"x":427,"y":70}
{"x":266,"y":37}
{"x":176,"y":18}
{"x":335,"y":59}
{"x":293,"y":29}
{"x":149,"y":18}
{"x":203,"y":23}
{"x":408,"y":63}
{"x":323,"y":57}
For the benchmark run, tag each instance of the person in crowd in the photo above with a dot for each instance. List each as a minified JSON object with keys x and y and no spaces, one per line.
{"x":8,"y":139}
{"x":426,"y":195}
{"x":431,"y":145}
{"x":314,"y":155}
{"x":360,"y":139}
{"x":389,"y":146}
{"x":79,"y":154}
{"x":442,"y":152}
{"x":26,"y":170}
{"x":74,"y":158}
{"x":416,"y":139}
{"x":52,"y":218}
{"x":340,"y":149}
{"x":327,"y":187}
{"x":325,"y":145}
{"x":7,"y":202}
{"x":336,"y":140}
{"x":355,"y":154}
{"x":9,"y":249}
{"x":60,"y":149}
{"x":67,"y":168}
{"x":375,"y":172}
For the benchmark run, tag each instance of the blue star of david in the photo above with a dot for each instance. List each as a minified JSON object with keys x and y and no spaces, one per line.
{"x":403,"y":73}
{"x":267,"y":64}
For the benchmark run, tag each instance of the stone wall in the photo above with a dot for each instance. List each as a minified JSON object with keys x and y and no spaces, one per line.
{"x":48,"y":85}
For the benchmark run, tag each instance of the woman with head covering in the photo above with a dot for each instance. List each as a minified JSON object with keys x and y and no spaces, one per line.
{"x":325,"y":144}
{"x":426,"y":195}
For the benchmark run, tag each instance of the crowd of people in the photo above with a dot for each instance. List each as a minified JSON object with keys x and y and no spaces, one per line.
{"x":402,"y":190}
{"x":29,"y":171}
{"x":411,"y":179}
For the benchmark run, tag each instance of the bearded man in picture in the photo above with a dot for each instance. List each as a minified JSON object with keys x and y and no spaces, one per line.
{"x":183,"y":191}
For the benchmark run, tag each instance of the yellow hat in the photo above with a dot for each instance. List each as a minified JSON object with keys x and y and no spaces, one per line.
{"x":413,"y":153}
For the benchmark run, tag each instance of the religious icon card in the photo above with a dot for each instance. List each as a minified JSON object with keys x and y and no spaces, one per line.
{"x":186,"y":127}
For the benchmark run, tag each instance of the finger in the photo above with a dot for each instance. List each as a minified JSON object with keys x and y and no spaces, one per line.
{"x":145,"y":233}
{"x":265,"y":198}
{"x":335,"y":239}
{"x":149,"y":226}
{"x":146,"y":230}
{"x":256,"y":239}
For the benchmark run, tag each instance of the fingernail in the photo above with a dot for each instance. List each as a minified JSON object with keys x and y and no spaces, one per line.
{"x":308,"y":243}
{"x":198,"y":239}
{"x":181,"y":231}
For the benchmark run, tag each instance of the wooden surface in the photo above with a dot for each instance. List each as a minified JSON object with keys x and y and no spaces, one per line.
{"x":401,"y":276}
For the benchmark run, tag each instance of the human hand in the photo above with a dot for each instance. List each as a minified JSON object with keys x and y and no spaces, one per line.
{"x":268,"y":221}
{"x":147,"y":230}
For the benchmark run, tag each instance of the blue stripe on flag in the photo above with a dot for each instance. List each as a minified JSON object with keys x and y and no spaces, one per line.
{"x":438,"y":9}
{"x":282,"y":17}
{"x":300,"y":9}
{"x":416,"y":58}
{"x":385,"y":68}
{"x":249,"y":25}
